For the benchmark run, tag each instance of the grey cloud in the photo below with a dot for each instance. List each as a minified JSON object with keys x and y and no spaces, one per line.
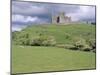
{"x":44,"y":11}
{"x":28,"y":8}
{"x":48,"y":9}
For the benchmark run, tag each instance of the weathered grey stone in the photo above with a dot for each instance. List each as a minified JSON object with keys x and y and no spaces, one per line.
{"x":61,"y":18}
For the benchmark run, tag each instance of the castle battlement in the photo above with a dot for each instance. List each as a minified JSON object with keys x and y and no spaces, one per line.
{"x":61,"y":18}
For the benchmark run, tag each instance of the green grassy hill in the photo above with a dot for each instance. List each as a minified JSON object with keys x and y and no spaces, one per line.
{"x":27,"y":58}
{"x":62,"y":33}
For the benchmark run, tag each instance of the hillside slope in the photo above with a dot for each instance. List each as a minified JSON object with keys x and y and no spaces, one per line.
{"x":33,"y":58}
{"x":62,"y":33}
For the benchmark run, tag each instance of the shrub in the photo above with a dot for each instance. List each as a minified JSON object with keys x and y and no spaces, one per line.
{"x":49,"y":42}
{"x":83,"y":45}
{"x":79,"y":44}
{"x":43,"y":41}
{"x":87,"y":48}
{"x":40,"y":40}
{"x":94,"y":50}
{"x":22,"y":39}
{"x":26,"y":42}
{"x":36,"y":41}
{"x":92,"y":43}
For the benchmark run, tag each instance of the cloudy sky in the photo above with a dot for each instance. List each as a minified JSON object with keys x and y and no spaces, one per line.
{"x":30,"y":13}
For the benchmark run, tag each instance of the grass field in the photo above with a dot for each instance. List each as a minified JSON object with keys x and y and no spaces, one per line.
{"x":85,"y":31}
{"x":41,"y":58}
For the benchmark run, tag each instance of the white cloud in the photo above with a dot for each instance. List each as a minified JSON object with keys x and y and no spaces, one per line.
{"x":85,"y":12}
{"x":77,"y":12}
{"x":29,"y":13}
{"x":16,"y":27}
{"x":21,"y":18}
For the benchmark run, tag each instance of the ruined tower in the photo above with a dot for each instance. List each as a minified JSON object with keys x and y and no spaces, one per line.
{"x":61,"y":18}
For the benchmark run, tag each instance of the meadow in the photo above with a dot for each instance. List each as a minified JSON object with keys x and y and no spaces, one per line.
{"x":55,"y":48}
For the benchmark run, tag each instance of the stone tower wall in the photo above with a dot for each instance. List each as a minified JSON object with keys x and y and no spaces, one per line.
{"x":62,"y":18}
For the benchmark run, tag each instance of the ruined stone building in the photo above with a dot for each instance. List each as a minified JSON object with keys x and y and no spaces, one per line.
{"x":61,"y":18}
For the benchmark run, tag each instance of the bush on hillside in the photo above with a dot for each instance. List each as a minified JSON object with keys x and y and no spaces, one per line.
{"x":22,"y":39}
{"x":86,"y":48}
{"x":50,"y":41}
{"x":94,"y":50}
{"x":92,"y":43}
{"x":43,"y":41}
{"x":40,"y":40}
{"x":83,"y":45}
{"x":79,"y":43}
{"x":37,"y":41}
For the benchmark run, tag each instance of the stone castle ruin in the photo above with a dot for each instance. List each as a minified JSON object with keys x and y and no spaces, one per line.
{"x":61,"y":18}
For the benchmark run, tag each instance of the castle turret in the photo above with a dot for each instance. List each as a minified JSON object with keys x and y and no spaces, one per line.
{"x":61,"y":18}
